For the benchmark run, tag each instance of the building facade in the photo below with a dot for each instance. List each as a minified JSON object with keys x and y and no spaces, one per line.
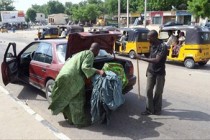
{"x":40,"y":18}
{"x":160,"y":17}
{"x":183,"y":17}
{"x":58,"y":19}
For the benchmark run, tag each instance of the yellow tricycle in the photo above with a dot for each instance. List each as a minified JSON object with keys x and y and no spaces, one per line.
{"x":192,"y":47}
{"x":135,"y":43}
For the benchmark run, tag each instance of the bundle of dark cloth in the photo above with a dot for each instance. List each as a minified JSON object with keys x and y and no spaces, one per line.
{"x":106,"y":96}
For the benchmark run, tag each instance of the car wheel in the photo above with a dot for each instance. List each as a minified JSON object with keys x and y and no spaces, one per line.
{"x":202,"y":63}
{"x":189,"y":63}
{"x":49,"y":86}
{"x":132,"y":54}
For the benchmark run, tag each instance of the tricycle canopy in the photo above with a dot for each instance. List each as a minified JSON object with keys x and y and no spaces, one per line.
{"x":137,"y":34}
{"x":51,"y":30}
{"x":193,"y":34}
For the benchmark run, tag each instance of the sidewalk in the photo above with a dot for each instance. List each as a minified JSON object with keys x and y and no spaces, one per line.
{"x":18,"y":121}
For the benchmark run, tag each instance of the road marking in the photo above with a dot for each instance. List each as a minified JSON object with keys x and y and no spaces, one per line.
{"x":37,"y":117}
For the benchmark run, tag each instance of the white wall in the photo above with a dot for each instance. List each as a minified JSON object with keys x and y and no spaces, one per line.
{"x":57,"y":19}
{"x":203,"y":21}
{"x":40,"y":17}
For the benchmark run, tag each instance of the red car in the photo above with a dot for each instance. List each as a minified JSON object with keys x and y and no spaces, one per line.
{"x":40,"y":62}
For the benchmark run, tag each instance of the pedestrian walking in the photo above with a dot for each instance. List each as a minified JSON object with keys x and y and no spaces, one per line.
{"x":155,"y":74}
{"x":68,"y":94}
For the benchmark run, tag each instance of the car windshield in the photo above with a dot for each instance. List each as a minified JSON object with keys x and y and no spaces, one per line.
{"x":61,"y":52}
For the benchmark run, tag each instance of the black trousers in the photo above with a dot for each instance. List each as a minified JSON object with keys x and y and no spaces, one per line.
{"x":154,"y":101}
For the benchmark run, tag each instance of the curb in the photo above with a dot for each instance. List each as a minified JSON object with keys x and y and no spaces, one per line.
{"x":36,"y":116}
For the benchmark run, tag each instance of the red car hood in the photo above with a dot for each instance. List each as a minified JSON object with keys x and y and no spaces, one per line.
{"x":82,"y":41}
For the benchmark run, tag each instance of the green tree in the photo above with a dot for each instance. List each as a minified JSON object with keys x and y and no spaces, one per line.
{"x":152,"y":5}
{"x":94,"y":1}
{"x":31,"y":14}
{"x":140,"y":6}
{"x":6,"y":5}
{"x":36,"y":7}
{"x":78,"y":14}
{"x":55,"y":7}
{"x":111,"y":6}
{"x":91,"y":12}
{"x":199,"y":8}
{"x":100,"y":7}
{"x":84,"y":11}
{"x":133,"y":7}
{"x":165,"y":5}
{"x":82,"y":3}
{"x":68,"y":8}
{"x":27,"y":19}
{"x":40,"y":8}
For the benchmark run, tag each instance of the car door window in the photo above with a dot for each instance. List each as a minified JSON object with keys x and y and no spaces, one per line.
{"x":43,"y":53}
{"x":10,"y":54}
{"x":48,"y":55}
{"x":26,"y":57}
{"x":61,"y":52}
{"x":29,"y":52}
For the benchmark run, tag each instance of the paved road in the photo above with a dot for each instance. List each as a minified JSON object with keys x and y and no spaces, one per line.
{"x":186,"y":102}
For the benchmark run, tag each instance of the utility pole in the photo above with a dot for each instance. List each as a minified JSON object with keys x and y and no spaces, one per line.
{"x":118,"y":13}
{"x":145,"y":13}
{"x":128,"y":13}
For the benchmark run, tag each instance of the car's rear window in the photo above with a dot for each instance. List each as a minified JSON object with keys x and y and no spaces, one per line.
{"x":103,"y":54}
{"x":61,"y":52}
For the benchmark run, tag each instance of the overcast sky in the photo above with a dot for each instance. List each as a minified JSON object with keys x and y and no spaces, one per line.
{"x":25,"y":4}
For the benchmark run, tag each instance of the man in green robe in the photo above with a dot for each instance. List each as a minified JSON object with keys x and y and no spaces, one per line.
{"x":68,"y":94}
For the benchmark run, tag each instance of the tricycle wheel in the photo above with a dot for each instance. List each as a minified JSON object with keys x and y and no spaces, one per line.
{"x":132,"y":54}
{"x":189,"y":63}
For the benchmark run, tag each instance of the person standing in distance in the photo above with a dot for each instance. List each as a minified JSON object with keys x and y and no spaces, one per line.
{"x":155,"y":74}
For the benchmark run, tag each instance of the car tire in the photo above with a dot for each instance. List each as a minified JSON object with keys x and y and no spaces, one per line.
{"x":132,"y":54}
{"x":189,"y":63}
{"x":48,"y":92}
{"x":202,"y":63}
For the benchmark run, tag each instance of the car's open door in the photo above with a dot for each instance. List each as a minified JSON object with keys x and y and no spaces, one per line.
{"x":9,"y":66}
